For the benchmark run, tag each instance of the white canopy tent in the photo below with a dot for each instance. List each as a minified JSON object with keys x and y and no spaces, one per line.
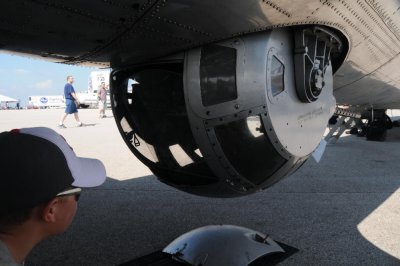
{"x":6,"y":99}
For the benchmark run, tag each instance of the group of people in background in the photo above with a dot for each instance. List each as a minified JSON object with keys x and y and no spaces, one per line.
{"x":72,"y":102}
{"x":6,"y":105}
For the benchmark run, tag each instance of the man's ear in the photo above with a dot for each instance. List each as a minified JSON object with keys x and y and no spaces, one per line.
{"x":48,"y":213}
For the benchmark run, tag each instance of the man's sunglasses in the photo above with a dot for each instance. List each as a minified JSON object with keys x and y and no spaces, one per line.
{"x":72,"y":191}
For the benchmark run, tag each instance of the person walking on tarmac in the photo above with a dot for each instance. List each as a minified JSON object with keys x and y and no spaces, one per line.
{"x":102,"y":97}
{"x":71,"y":101}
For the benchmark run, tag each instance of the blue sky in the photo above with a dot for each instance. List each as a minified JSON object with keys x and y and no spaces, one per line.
{"x":21,"y":77}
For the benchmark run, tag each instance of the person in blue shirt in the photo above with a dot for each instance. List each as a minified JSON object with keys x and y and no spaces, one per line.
{"x":71,"y":101}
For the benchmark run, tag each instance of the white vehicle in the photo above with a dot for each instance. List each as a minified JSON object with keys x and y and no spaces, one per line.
{"x":89,"y":98}
{"x":55,"y":101}
{"x":98,"y":77}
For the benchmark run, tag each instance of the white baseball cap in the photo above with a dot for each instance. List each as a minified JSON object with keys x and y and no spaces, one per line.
{"x":37,"y":164}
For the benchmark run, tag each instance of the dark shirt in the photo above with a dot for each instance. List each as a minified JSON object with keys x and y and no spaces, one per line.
{"x":68,"y":89}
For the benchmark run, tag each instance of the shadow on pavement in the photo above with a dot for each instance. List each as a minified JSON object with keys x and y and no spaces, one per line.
{"x":317,"y":210}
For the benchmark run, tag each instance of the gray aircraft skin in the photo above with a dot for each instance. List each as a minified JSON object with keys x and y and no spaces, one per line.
{"x":255,"y":133}
{"x":115,"y":33}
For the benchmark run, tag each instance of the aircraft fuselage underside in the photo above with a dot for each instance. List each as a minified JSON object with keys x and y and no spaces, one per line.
{"x":221,"y":98}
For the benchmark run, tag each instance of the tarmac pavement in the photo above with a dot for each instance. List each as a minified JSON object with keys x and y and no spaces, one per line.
{"x":343,"y":211}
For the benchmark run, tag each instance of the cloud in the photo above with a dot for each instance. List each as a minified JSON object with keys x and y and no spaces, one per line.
{"x":21,"y":71}
{"x":47,"y":84}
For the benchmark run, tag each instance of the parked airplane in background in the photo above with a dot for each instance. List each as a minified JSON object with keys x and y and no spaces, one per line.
{"x":218,"y":97}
